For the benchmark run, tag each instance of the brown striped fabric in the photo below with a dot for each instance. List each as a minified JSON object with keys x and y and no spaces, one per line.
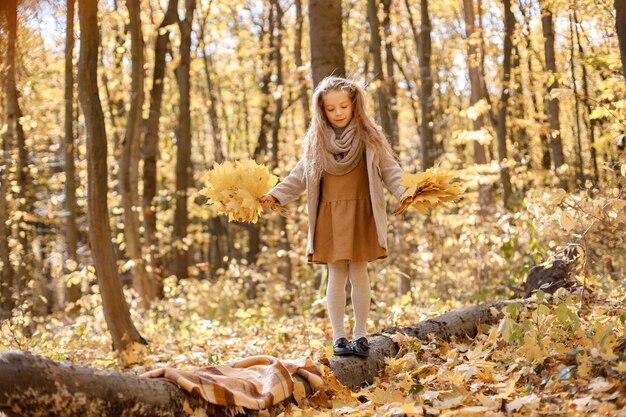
{"x":256,"y":383}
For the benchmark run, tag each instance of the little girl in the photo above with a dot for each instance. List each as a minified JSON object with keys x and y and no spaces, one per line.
{"x":346,"y":161}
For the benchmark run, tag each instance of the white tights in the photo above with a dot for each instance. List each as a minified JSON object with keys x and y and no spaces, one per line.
{"x":338,"y":274}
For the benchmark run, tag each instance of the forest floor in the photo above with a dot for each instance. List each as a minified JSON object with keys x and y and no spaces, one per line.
{"x":559,"y":355}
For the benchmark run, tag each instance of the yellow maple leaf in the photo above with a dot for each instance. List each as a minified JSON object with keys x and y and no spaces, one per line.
{"x":429,"y":189}
{"x":234,"y":189}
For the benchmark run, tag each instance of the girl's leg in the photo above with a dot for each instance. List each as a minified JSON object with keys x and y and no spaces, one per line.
{"x":336,"y":297}
{"x":357,"y":272}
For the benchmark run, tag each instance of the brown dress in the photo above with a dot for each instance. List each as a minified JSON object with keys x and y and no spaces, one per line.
{"x":345,"y":228}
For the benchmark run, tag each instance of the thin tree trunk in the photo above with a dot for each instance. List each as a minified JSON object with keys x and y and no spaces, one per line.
{"x":546,"y":159}
{"x":129,"y":163}
{"x":390,"y":84}
{"x":151,"y":152}
{"x":579,"y":146}
{"x":505,"y":176}
{"x":620,"y":27}
{"x":325,"y":34}
{"x":116,"y":312}
{"x":476,"y":84}
{"x":15,"y":139}
{"x":261,"y":149}
{"x":424,"y":47}
{"x":8,"y":273}
{"x":375,"y":48}
{"x":208,"y":70}
{"x":587,"y":102}
{"x":552,"y":104}
{"x":520,"y":112}
{"x":297,"y":50}
{"x":183,"y":144}
{"x":276,"y":126}
{"x":71,"y":230}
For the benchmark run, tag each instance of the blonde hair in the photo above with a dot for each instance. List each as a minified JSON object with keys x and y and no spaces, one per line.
{"x":317,"y":136}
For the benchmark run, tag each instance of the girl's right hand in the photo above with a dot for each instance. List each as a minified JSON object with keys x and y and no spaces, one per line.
{"x":267,"y":200}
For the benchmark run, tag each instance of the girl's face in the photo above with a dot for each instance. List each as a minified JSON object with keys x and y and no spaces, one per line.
{"x":338,"y":108}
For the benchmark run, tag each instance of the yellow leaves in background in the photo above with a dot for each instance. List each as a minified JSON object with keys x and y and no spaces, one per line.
{"x":234,"y":188}
{"x":427,"y":190}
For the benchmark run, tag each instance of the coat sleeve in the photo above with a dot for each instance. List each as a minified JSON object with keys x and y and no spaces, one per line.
{"x":292,"y":186}
{"x":391,"y":174}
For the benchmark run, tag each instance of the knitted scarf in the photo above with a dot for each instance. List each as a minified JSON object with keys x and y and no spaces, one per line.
{"x":342,"y":154}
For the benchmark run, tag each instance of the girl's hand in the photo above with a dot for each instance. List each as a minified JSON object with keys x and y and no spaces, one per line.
{"x":267,"y":200}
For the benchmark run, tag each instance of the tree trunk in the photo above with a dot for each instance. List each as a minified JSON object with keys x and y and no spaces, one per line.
{"x":71,"y":230}
{"x":151,"y":152}
{"x":212,"y":97}
{"x":546,"y":160}
{"x":325,"y":34}
{"x":297,"y":50}
{"x":15,"y":139}
{"x":183,"y":145}
{"x":390,"y":84}
{"x":476,"y":84}
{"x":423,"y":45}
{"x":285,"y":244}
{"x":580,"y":177}
{"x":505,"y":176}
{"x":116,"y":312}
{"x":587,"y":102}
{"x":379,"y":77}
{"x":261,"y":148}
{"x":129,"y":162}
{"x":620,"y":27}
{"x":552,"y":104}
{"x":36,"y":385}
{"x":8,"y":273}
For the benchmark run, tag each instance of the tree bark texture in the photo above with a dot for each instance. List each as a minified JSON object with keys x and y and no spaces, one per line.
{"x":580,"y":180}
{"x":505,"y":176}
{"x":15,"y":138}
{"x":325,"y":34}
{"x":71,"y":229}
{"x":8,"y":273}
{"x":589,"y":123}
{"x":426,"y":91}
{"x":620,"y":27}
{"x":390,"y":83}
{"x":129,"y":163}
{"x":183,"y":145}
{"x":297,"y":50}
{"x":382,"y":102}
{"x":151,"y":152}
{"x":546,"y":159}
{"x":37,"y":386}
{"x":276,"y":127}
{"x":212,"y":96}
{"x":552,"y":104}
{"x":116,"y":312}
{"x":268,"y":41}
{"x":474,"y":59}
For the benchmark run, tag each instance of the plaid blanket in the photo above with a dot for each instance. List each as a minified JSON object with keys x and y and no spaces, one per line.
{"x":256,"y":383}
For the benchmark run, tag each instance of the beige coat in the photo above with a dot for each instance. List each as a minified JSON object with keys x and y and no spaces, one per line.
{"x":380,"y":169}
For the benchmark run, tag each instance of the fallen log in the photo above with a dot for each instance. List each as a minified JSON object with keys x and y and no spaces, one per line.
{"x":33,"y":385}
{"x":37,"y":386}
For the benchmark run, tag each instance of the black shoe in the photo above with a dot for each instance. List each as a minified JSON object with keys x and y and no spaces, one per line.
{"x":342,"y":347}
{"x":360,"y":347}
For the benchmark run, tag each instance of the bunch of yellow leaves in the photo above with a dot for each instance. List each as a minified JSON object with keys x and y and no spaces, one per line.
{"x":234,"y":188}
{"x":427,"y":190}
